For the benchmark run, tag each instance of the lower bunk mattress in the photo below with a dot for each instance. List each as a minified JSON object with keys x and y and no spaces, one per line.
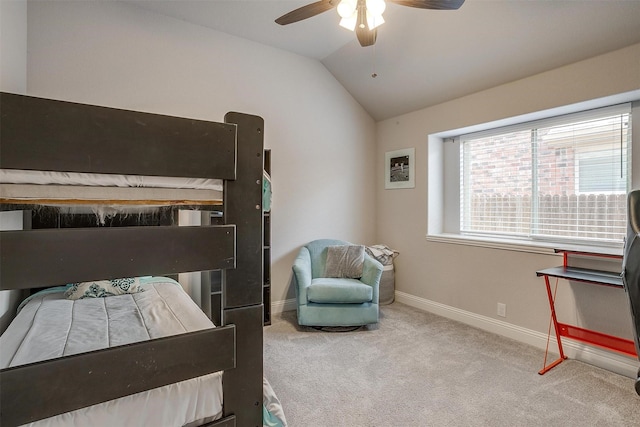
{"x":51,"y":324}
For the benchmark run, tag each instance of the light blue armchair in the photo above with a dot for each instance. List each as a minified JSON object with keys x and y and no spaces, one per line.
{"x":325,"y":301}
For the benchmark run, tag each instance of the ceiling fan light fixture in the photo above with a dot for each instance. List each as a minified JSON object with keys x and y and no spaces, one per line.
{"x":376,"y":7}
{"x":350,"y":22}
{"x":347,"y":8}
{"x":374,"y":21}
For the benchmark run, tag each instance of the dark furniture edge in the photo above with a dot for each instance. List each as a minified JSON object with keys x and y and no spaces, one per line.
{"x":229,"y":421}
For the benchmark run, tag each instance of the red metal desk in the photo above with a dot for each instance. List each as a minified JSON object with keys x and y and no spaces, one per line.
{"x":597,"y":277}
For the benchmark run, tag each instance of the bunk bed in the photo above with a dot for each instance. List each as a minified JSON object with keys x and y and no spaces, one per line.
{"x":63,"y":137}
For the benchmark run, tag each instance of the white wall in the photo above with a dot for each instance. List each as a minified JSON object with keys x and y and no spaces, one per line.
{"x":475,"y":279}
{"x":322,"y":141}
{"x":13,"y":78}
{"x":13,"y":46}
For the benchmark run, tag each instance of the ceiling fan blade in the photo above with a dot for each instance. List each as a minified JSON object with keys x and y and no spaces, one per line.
{"x":307,"y":11}
{"x":366,"y":37}
{"x":431,"y":4}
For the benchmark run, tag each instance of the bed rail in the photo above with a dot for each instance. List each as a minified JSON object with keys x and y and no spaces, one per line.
{"x":48,"y":257}
{"x":49,"y":135}
{"x":44,"y":389}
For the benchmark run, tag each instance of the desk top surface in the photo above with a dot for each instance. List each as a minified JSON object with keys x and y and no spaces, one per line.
{"x":583,"y":275}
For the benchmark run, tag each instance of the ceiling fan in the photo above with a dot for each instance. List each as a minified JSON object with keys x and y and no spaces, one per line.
{"x":362,"y":15}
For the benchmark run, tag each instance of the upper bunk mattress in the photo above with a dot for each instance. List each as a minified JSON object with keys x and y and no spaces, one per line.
{"x":50,"y":186}
{"x":49,"y":325}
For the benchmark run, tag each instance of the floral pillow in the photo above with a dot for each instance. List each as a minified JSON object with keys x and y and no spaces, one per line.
{"x":103,"y":288}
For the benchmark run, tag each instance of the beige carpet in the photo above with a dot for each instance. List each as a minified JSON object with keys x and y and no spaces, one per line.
{"x":418,"y":369}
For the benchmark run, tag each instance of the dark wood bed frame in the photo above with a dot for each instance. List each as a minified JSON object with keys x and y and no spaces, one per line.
{"x":49,"y":135}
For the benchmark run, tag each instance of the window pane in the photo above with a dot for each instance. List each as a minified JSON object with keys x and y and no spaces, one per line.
{"x":564,"y":179}
{"x":496,"y":177}
{"x":582,"y":179}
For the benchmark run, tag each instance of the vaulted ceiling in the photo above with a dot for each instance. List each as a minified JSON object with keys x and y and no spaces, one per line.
{"x":425,"y":57}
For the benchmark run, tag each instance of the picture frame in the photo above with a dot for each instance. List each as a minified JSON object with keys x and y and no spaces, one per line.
{"x":399,"y":168}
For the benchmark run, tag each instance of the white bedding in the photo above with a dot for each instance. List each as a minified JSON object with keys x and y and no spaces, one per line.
{"x":51,"y":186}
{"x":15,"y":176}
{"x":50,"y":326}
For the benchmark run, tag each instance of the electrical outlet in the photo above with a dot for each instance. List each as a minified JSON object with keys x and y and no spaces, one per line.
{"x":502,"y":309}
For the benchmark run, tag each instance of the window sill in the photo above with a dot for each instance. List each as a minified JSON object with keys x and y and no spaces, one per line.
{"x":537,"y":247}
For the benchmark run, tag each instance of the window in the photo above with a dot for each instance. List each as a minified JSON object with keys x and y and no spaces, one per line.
{"x":561,"y":179}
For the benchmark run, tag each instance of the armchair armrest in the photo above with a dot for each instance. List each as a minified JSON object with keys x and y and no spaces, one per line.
{"x":371,"y":273}
{"x":302,"y":273}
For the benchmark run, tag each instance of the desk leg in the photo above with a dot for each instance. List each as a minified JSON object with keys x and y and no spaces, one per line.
{"x":548,"y":367}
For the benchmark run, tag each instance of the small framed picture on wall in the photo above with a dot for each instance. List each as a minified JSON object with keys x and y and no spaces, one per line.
{"x":399,"y":168}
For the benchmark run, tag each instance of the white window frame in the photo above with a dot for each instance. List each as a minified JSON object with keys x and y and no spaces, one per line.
{"x":443,"y":183}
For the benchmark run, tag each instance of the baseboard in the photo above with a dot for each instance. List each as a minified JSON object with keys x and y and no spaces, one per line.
{"x":284,"y":305}
{"x":604,"y":359}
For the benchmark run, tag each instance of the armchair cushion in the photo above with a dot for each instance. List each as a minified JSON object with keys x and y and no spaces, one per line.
{"x":339,"y":291}
{"x":344,"y":261}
